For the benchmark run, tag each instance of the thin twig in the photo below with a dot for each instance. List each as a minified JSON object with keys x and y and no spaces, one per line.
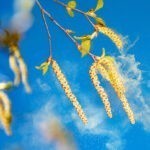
{"x":87,"y":17}
{"x":48,"y":32}
{"x":56,"y":23}
{"x":77,"y":10}
{"x":93,"y":56}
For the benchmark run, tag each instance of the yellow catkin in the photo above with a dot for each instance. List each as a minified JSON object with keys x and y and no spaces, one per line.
{"x":109,"y":65}
{"x":100,"y":89}
{"x":63,"y":81}
{"x":112,"y":35}
{"x":5,"y":112}
{"x":101,"y":69}
{"x":14,"y":67}
{"x":22,"y":67}
{"x":117,"y":84}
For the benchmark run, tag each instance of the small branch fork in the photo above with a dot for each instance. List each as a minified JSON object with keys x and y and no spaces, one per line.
{"x":77,"y":10}
{"x":44,"y":12}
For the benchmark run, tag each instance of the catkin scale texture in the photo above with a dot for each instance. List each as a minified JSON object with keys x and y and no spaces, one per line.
{"x":112,"y":35}
{"x":100,"y":89}
{"x":113,"y":73}
{"x":101,"y":69}
{"x":63,"y":81}
{"x":117,"y":84}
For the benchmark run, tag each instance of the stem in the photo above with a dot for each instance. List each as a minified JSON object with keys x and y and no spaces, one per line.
{"x":77,"y":10}
{"x":56,"y":23}
{"x":87,"y":17}
{"x":93,"y":56}
{"x":64,"y":5}
{"x":48,"y":32}
{"x":44,"y":12}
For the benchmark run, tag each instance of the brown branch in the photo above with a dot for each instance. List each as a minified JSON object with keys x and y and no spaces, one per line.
{"x":56,"y":23}
{"x":48,"y":32}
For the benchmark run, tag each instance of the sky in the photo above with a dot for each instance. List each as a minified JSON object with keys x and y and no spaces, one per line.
{"x":34,"y":114}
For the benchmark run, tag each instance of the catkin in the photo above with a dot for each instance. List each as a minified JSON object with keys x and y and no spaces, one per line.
{"x":22,"y":67}
{"x":101,"y":69}
{"x":14,"y":67}
{"x":112,"y":35}
{"x":117,"y":84}
{"x":63,"y":81}
{"x":110,"y":66}
{"x":100,"y":89}
{"x":5,"y":112}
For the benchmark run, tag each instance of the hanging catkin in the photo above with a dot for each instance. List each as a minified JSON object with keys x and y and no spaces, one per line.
{"x":5,"y":112}
{"x":112,"y":35}
{"x":63,"y":81}
{"x":22,"y":66}
{"x":14,"y":67}
{"x":100,"y":89}
{"x":101,"y":69}
{"x":117,"y":84}
{"x":109,"y":64}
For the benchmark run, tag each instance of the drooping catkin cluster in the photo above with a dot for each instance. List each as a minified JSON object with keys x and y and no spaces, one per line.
{"x":116,"y":82}
{"x":100,"y":89}
{"x":63,"y":81}
{"x":112,"y":35}
{"x":19,"y":67}
{"x":5,"y":112}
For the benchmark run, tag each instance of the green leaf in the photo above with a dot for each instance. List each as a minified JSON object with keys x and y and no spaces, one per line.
{"x":100,"y":4}
{"x":85,"y":46}
{"x":43,"y":67}
{"x":70,"y":6}
{"x":70,"y":12}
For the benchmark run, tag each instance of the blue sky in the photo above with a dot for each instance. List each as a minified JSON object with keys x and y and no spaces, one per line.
{"x":129,"y":18}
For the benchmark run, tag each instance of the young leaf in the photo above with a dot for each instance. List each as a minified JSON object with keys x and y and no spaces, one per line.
{"x":85,"y":46}
{"x":71,"y":5}
{"x":43,"y":67}
{"x":100,"y":4}
{"x":70,"y":12}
